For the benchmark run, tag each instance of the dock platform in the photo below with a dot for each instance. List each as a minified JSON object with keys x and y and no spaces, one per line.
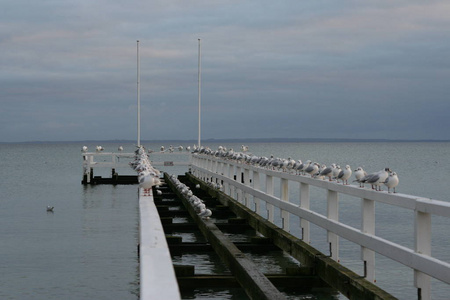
{"x":301,"y":268}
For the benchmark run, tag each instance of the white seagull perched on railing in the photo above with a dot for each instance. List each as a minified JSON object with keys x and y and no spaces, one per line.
{"x":360,"y":174}
{"x":377,"y":179}
{"x":312,"y":169}
{"x":327,"y":172}
{"x":391,"y":181}
{"x":147,"y":181}
{"x":345,"y":174}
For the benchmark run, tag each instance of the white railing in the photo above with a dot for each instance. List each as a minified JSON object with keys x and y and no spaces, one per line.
{"x":169,"y":159}
{"x":247,"y":185}
{"x":116,"y":160}
{"x":110,"y":160}
{"x":157,"y":275}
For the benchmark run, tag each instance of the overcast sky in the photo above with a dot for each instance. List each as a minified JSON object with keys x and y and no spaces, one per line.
{"x":298,"y":69}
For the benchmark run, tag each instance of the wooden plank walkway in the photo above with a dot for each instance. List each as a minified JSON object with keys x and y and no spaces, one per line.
{"x":317,"y":271}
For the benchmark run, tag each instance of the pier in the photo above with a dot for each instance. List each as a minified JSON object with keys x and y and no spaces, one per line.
{"x":258,"y":201}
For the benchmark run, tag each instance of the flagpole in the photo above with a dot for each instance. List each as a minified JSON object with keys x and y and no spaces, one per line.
{"x":138,"y":99}
{"x":199,"y":91}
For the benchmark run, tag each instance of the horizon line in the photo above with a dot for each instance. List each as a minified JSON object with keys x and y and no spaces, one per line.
{"x":236,"y":140}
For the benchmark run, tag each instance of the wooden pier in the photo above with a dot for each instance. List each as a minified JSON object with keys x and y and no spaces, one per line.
{"x":244,"y":205}
{"x":312,"y":271}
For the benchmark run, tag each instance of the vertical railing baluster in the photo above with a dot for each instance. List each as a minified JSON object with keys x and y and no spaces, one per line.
{"x":422,"y":230}
{"x":238,"y":191}
{"x":256,"y":186}
{"x":247,"y":183}
{"x":304,"y":203}
{"x":368,"y":226}
{"x":269,"y":191}
{"x":333,"y":214}
{"x":284,"y":189}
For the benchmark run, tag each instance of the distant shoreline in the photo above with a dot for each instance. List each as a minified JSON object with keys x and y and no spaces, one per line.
{"x":244,"y":141}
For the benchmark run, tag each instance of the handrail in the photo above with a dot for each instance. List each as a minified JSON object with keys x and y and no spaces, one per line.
{"x":215,"y":169}
{"x":157,"y":275}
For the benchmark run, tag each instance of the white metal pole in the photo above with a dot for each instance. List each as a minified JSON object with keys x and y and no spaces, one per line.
{"x":199,"y":91}
{"x":138,"y":99}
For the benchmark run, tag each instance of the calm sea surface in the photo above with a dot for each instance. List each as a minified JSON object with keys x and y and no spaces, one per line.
{"x":86,"y":249}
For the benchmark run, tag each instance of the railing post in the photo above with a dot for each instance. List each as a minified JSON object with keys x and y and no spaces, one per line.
{"x":304,"y":203}
{"x":238,"y":194}
{"x":333,"y":214}
{"x":368,"y":226}
{"x":247,"y":183}
{"x":256,"y":186}
{"x":422,"y":230}
{"x":269,"y":191}
{"x":284,"y":188}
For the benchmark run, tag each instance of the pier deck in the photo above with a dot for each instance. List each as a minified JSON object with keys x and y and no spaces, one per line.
{"x":307,"y":269}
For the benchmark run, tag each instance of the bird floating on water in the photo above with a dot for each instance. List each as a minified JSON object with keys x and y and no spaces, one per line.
{"x":50,"y":208}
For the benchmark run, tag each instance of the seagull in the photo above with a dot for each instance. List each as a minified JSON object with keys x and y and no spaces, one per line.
{"x":345,"y":174}
{"x":337,"y":169}
{"x":120,"y":148}
{"x":205,"y":213}
{"x":327,"y":172}
{"x":162,"y":148}
{"x":312,"y":169}
{"x":197,"y":186}
{"x":391,"y":181}
{"x":302,"y":168}
{"x":360,"y":174}
{"x":158,"y":192}
{"x":376,"y":179}
{"x":99,"y":148}
{"x":147,"y":181}
{"x":84,"y":149}
{"x":50,"y":208}
{"x":180,"y":148}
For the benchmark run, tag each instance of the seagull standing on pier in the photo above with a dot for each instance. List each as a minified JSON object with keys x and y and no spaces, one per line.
{"x":312,"y":169}
{"x":391,"y":181}
{"x":377,"y":179}
{"x":359,"y":175}
{"x":345,"y":174}
{"x":327,"y":172}
{"x":147,"y":181}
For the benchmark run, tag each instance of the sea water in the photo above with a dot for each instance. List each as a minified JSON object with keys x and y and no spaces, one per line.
{"x":86,"y":248}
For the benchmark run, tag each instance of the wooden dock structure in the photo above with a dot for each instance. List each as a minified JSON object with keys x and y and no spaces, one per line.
{"x":315,"y":270}
{"x":244,"y":200}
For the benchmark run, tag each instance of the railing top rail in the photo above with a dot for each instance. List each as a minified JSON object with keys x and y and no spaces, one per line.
{"x":426,"y":205}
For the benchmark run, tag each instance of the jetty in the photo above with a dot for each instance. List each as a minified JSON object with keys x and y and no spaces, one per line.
{"x":252,"y":208}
